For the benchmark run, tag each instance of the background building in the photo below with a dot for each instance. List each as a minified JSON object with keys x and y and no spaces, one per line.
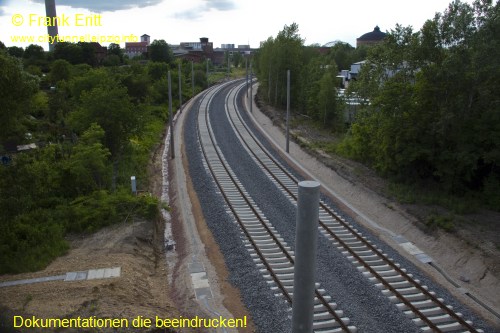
{"x":371,"y":38}
{"x":135,"y":49}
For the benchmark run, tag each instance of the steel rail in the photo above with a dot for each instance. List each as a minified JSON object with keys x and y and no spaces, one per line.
{"x":262,"y":257}
{"x":356,"y":234}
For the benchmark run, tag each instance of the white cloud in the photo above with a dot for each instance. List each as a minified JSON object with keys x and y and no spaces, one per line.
{"x":105,"y":6}
{"x":197,"y":12}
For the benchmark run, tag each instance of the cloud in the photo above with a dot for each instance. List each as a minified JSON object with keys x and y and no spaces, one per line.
{"x":197,"y":12}
{"x":3,"y":4}
{"x":104,"y":6}
{"x":221,"y":5}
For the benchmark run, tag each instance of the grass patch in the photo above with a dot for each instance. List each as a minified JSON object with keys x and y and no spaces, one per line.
{"x":429,"y":195}
{"x":445,"y":222}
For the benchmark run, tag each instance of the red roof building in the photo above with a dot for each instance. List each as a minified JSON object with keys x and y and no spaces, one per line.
{"x":135,"y":49}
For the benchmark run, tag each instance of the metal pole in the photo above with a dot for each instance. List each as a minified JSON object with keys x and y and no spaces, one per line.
{"x":287,"y":111}
{"x":251,"y":88}
{"x":306,"y":236}
{"x":246,"y":78}
{"x":207,"y":74}
{"x":192,"y":76}
{"x":180,"y":89}
{"x":269,"y":86}
{"x":171,"y":116}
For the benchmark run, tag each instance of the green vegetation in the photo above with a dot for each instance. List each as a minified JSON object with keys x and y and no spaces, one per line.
{"x":430,"y":114}
{"x":94,"y":128}
{"x":445,"y":222}
{"x":434,"y":114}
{"x":313,"y":83}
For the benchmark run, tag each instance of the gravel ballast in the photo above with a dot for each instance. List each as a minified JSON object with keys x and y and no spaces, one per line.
{"x":365,"y":305}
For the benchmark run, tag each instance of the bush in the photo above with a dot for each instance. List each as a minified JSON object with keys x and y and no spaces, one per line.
{"x":101,"y":208}
{"x":30,"y":242}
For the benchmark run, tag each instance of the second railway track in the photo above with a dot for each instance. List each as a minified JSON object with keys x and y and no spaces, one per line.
{"x":424,"y":307}
{"x":274,"y":257}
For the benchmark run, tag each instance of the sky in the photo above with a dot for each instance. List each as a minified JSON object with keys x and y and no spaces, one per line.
{"x":222,"y":21}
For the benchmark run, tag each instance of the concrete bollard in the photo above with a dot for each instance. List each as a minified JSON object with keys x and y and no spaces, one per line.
{"x":305,"y":257}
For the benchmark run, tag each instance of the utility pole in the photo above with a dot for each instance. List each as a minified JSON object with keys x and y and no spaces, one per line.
{"x":246,"y":77}
{"x":288,"y":111}
{"x":180,"y":89}
{"x":269,"y":86}
{"x":207,"y":74}
{"x":251,"y":88}
{"x":171,"y":116}
{"x":192,"y":77}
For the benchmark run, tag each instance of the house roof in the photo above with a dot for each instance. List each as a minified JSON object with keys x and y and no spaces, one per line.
{"x":136,"y":44}
{"x":375,"y":35}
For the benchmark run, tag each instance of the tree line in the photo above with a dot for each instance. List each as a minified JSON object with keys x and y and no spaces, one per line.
{"x":430,"y":110}
{"x":312,"y":74}
{"x":434,"y":112}
{"x":95,"y":127}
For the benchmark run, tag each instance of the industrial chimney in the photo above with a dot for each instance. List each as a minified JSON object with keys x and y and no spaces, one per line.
{"x":50,"y":10}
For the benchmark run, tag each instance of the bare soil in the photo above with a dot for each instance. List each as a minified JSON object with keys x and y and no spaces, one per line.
{"x":469,"y":255}
{"x":141,"y":289}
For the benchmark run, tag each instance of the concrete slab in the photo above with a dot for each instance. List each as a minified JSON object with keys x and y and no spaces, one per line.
{"x":200,"y":280}
{"x":113,"y":272}
{"x":102,"y":273}
{"x":411,"y":248}
{"x":424,"y":258}
{"x":400,"y":239}
{"x":81,"y":276}
{"x":203,"y":293}
{"x":35,"y":280}
{"x":196,"y":267}
{"x":95,"y":274}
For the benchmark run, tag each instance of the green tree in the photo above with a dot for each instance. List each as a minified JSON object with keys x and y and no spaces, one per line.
{"x":112,"y":110}
{"x":61,"y":70}
{"x":88,"y":53}
{"x":343,"y":54}
{"x":115,"y":49}
{"x":16,"y":51}
{"x":88,"y":168}
{"x":157,"y":70}
{"x":159,"y":51}
{"x":16,"y":89}
{"x":275,"y":57}
{"x":111,"y":60}
{"x":69,"y":52}
{"x":432,"y":105}
{"x":34,"y":53}
{"x":328,"y":102}
{"x":237,"y":59}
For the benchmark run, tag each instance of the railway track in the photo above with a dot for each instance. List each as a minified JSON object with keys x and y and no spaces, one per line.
{"x":422,"y":306}
{"x":271,"y":254}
